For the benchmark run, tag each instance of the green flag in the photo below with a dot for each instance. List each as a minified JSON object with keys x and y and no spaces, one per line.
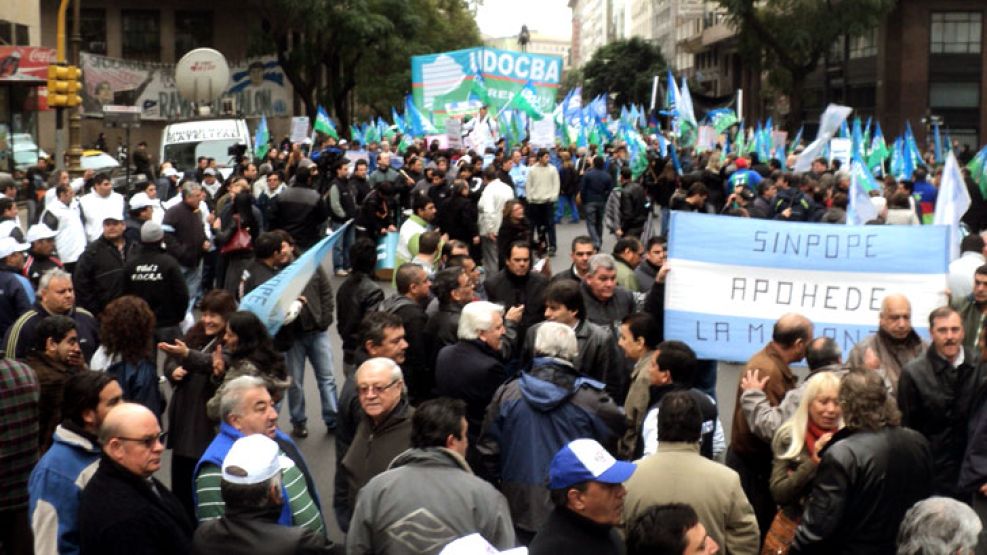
{"x":526,"y":100}
{"x":262,"y":139}
{"x":324,"y":125}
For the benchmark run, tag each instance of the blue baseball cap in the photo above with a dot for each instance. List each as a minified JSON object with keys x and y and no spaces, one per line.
{"x":584,"y":460}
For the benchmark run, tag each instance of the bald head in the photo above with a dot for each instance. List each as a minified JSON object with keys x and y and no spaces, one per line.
{"x":130,"y":437}
{"x":895,"y":319}
{"x":791,"y":335}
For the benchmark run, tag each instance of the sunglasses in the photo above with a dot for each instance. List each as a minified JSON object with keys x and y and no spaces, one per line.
{"x":148,"y":442}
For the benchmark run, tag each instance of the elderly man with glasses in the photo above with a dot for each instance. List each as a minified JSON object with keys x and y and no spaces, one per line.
{"x":124,"y":509}
{"x":385,"y":428}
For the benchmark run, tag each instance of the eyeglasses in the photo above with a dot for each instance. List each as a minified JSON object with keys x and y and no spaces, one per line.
{"x":365,"y":390}
{"x":148,"y":442}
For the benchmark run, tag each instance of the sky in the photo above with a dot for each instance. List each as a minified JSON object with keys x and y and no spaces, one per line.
{"x":502,"y":18}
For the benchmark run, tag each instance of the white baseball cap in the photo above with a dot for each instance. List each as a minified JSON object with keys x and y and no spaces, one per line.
{"x":475,"y":544}
{"x":38,"y":232}
{"x":9,"y":245}
{"x":172,"y":172}
{"x":141,"y":200}
{"x":254,"y":459}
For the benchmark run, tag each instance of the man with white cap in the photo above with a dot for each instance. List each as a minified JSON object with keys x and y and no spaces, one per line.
{"x":98,"y":276}
{"x":587,"y":489}
{"x":99,"y":204}
{"x":167,"y":182}
{"x":39,"y":257}
{"x":142,"y":209}
{"x":10,"y":225}
{"x":251,"y":488}
{"x":62,"y":215}
{"x":16,"y":293}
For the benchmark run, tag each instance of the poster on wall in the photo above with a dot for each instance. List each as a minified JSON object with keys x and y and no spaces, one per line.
{"x":258,"y":85}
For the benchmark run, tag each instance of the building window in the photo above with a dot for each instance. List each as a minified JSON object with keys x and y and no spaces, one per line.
{"x":141,"y":35}
{"x":193,"y":29}
{"x":6,"y":33}
{"x":954,"y":95}
{"x":864,"y":46}
{"x":956,"y":32}
{"x":92,"y":28}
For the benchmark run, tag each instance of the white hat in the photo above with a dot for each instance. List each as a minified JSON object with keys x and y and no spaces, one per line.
{"x":38,"y":232}
{"x":254,"y":459}
{"x":77,"y":184}
{"x":9,"y":245}
{"x":172,"y":172}
{"x":475,"y":544}
{"x":141,"y":200}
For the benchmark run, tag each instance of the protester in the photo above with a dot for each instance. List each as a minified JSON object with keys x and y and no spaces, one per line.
{"x":253,"y":472}
{"x":19,"y":415}
{"x":408,"y":304}
{"x":124,"y":509}
{"x":40,"y":257}
{"x":194,"y":364}
{"x":670,"y":529}
{"x":156,"y":277}
{"x":56,"y":296}
{"x":429,"y":486}
{"x":872,"y":472}
{"x":357,"y":296}
{"x":895,"y":344}
{"x":587,"y":491}
{"x":677,"y":473}
{"x":62,"y":473}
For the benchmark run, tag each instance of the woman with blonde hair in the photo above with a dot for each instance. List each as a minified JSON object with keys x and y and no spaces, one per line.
{"x":796,"y":448}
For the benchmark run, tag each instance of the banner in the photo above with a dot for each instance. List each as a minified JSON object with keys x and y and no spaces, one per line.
{"x":258,"y":84}
{"x":25,"y":63}
{"x":454,"y":133}
{"x":839,"y":149}
{"x":732,"y":278}
{"x":270,"y":300}
{"x":299,"y":129}
{"x":440,"y":81}
{"x":542,"y":133}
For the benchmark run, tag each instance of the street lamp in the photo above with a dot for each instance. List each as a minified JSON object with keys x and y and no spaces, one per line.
{"x":523,"y":38}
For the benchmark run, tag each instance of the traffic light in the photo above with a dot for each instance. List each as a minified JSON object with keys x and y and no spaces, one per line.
{"x":64,"y":86}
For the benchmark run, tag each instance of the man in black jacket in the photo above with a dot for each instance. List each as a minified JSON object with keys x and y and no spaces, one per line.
{"x":299,"y":210}
{"x":251,"y":490}
{"x":517,"y":285}
{"x":633,"y":208}
{"x":871,"y":472}
{"x":408,"y":303}
{"x":594,"y":190}
{"x":453,"y":289}
{"x":935,"y":395}
{"x":185,"y":221}
{"x":124,"y":509}
{"x":99,"y":274}
{"x":342,"y":208}
{"x":357,"y":296}
{"x":155,"y":276}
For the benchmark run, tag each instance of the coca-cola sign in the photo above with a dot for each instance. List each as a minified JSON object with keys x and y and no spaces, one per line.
{"x":25,"y":63}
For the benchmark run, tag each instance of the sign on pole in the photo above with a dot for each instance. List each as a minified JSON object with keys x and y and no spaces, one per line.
{"x":730,"y":279}
{"x":543,"y":133}
{"x":299,"y":129}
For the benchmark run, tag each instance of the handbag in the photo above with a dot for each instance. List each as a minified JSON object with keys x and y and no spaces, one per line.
{"x":239,"y":242}
{"x":780,"y":535}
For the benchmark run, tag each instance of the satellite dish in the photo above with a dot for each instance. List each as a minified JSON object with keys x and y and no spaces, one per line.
{"x":202,"y":75}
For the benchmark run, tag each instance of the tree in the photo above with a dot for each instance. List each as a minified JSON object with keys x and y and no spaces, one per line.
{"x":332,"y":49}
{"x":790,"y":37}
{"x":625,"y":67}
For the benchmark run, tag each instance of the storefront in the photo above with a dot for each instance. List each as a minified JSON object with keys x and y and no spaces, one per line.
{"x":23,"y":76}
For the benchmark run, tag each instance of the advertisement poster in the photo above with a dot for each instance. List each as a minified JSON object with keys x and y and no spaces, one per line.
{"x":258,"y":85}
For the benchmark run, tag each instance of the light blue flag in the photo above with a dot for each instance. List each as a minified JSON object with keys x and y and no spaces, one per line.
{"x":938,"y":141}
{"x":271,"y":300}
{"x":860,"y":209}
{"x":398,"y":121}
{"x":952,"y":202}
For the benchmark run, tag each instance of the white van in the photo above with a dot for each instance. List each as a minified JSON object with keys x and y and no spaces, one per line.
{"x":183,"y":143}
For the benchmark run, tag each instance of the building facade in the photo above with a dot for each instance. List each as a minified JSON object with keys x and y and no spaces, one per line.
{"x":537,"y":44}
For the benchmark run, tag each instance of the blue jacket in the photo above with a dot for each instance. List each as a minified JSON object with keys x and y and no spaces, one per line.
{"x":530,"y":418}
{"x":217,"y":451}
{"x":16,"y":296}
{"x":595,"y":186}
{"x":55,"y":488}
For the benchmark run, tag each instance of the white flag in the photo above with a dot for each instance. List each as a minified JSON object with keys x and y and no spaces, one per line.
{"x":829,"y":123}
{"x":952,"y":202}
{"x":860,"y":210}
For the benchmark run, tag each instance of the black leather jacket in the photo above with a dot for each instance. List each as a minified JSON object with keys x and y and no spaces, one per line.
{"x":865,"y":483}
{"x":357,"y":296}
{"x":241,"y":531}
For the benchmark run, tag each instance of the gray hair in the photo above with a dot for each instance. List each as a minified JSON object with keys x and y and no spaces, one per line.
{"x":381,"y":362}
{"x":250,"y":496}
{"x":232,"y":392}
{"x":190,"y":186}
{"x":556,"y":340}
{"x":477,"y":316}
{"x":53,"y":274}
{"x":602,"y":260}
{"x":938,"y":525}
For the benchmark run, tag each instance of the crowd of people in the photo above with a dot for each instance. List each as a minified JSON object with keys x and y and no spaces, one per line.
{"x":482,"y":392}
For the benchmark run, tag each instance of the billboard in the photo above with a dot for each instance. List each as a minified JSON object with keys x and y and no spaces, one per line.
{"x":258,"y":84}
{"x":444,"y":79}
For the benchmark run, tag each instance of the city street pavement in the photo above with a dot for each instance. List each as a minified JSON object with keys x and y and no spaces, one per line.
{"x":318,"y":447}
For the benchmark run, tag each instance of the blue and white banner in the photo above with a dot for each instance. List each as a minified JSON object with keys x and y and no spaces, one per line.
{"x":732,"y":278}
{"x":270,"y":300}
